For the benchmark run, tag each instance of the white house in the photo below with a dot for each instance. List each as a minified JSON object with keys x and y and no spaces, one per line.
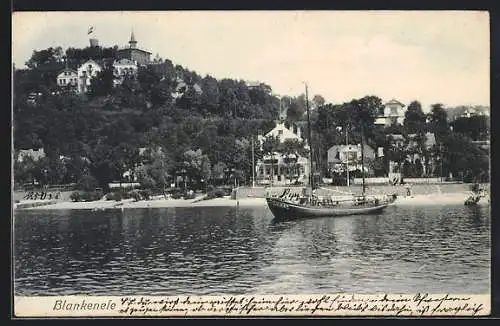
{"x":85,"y":73}
{"x":67,"y":77}
{"x":394,"y":113}
{"x":33,"y":153}
{"x":280,"y":169}
{"x":283,"y":133}
{"x":342,"y":156}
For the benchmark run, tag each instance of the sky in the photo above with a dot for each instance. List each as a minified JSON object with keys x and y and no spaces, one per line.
{"x":429,"y":56}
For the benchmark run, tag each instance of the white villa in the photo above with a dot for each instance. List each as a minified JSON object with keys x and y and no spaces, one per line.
{"x":279,"y":169}
{"x":67,"y":77}
{"x":85,"y":73}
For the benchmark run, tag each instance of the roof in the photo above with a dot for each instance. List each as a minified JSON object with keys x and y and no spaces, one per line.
{"x":351,"y":146}
{"x":394,"y":101}
{"x":133,"y":49}
{"x":124,"y":61}
{"x":396,"y":136}
{"x":67,"y":69}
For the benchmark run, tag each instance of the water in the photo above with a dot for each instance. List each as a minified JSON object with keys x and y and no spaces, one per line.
{"x":212,"y":251}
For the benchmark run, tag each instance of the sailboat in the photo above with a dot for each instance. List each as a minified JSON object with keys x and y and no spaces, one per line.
{"x":289,"y":205}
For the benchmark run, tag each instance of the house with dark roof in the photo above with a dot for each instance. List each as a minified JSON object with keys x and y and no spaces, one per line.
{"x":133,"y":53}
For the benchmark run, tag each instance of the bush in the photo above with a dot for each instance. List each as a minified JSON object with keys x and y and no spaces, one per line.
{"x":75,"y":196}
{"x":176,"y":195}
{"x":187,"y":195}
{"x":117,"y":196}
{"x":87,"y":183}
{"x":135,"y":195}
{"x":85,"y":196}
{"x":145,"y":194}
{"x":215,"y":193}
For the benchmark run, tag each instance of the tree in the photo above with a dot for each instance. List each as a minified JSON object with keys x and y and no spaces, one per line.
{"x":438,"y":122}
{"x":197,"y":166}
{"x":318,"y":101}
{"x":269,"y":147}
{"x":396,"y":151}
{"x":296,"y":109}
{"x":462,"y":157}
{"x":290,"y":148}
{"x":415,"y":119}
{"x":102,"y":83}
{"x":475,"y":127}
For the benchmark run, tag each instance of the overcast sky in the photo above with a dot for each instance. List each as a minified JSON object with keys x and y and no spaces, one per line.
{"x":427,"y":56}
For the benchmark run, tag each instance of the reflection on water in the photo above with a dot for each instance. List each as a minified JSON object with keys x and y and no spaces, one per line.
{"x":227,"y":250}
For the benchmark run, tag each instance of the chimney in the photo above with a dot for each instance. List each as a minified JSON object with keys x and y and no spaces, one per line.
{"x":94,"y":42}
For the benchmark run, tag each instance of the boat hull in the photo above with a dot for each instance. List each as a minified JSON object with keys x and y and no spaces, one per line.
{"x":283,"y":210}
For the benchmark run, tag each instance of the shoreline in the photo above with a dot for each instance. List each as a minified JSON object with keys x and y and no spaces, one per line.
{"x":420,"y":200}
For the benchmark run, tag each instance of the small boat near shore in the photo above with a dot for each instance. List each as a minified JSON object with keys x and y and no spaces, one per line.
{"x":475,"y":195}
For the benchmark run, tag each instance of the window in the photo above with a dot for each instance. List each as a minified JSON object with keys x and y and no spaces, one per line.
{"x":394,"y":110}
{"x":280,"y":132}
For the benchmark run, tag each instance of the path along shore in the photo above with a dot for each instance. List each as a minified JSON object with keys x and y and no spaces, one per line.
{"x":417,"y":200}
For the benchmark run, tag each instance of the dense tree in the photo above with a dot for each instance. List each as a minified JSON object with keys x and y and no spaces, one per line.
{"x":94,"y":137}
{"x":475,"y":127}
{"x":415,"y":119}
{"x":438,"y":122}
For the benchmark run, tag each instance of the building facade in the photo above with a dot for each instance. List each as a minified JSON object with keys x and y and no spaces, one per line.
{"x":67,"y":77}
{"x":86,"y":72}
{"x":283,"y":133}
{"x":341,"y":156}
{"x":34,"y":153}
{"x":279,"y":168}
{"x":139,"y":56}
{"x":393,"y":113}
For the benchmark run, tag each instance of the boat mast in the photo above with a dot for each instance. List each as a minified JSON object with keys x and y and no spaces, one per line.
{"x":363,"y":155}
{"x":311,"y":175}
{"x":253,"y":164}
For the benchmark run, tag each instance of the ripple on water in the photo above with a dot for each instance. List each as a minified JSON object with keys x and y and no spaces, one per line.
{"x":214,"y":251}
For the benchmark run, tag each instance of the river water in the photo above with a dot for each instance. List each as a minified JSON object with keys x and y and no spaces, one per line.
{"x":219,"y":250}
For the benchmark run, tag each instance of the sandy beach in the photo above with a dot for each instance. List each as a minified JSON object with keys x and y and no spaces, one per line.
{"x":431,"y":199}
